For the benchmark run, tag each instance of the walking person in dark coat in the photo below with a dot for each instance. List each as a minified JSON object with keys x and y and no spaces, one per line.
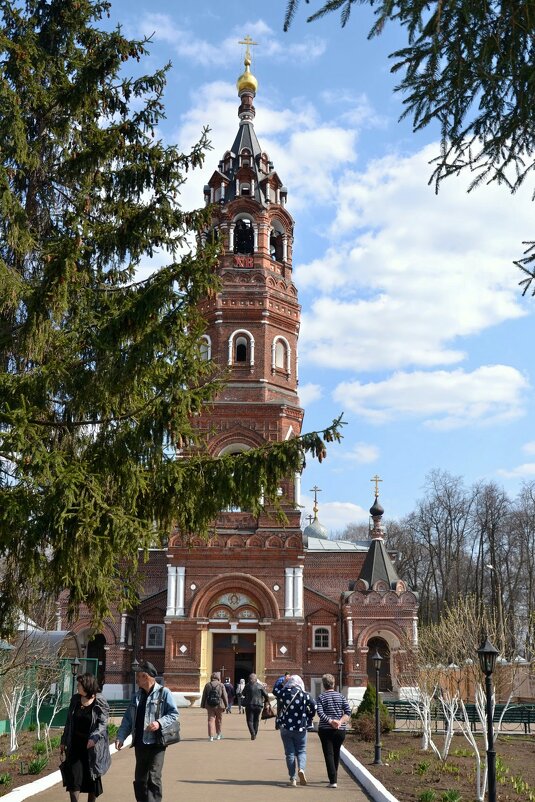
{"x":85,"y":740}
{"x":254,"y":695}
{"x":334,"y":713}
{"x":229,"y":687}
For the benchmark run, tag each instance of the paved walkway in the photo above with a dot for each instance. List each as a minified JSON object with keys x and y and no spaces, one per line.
{"x":234,"y":769}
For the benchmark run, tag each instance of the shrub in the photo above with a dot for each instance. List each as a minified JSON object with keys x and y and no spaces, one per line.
{"x":451,"y":795}
{"x":367,"y":708}
{"x":39,"y":748}
{"x":36,"y":766}
{"x":427,"y":796}
{"x":55,"y":741}
{"x":32,"y":727}
{"x":5,"y":779}
{"x":422,"y":767}
{"x":113,"y":729}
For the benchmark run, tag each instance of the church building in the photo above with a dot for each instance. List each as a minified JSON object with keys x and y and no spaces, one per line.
{"x":259,"y":595}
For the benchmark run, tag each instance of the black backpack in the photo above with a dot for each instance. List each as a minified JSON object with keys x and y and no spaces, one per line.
{"x":213,"y":697}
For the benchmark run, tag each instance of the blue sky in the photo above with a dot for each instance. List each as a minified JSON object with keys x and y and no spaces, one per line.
{"x":413,"y":324}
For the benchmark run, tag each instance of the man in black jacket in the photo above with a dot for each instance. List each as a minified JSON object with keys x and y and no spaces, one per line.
{"x":254,"y":695}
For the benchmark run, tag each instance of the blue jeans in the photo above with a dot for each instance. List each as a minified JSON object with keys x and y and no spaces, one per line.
{"x":295,"y":745}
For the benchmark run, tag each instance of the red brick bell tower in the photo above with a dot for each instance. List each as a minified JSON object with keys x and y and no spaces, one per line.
{"x":236,"y":603}
{"x":253,"y":322}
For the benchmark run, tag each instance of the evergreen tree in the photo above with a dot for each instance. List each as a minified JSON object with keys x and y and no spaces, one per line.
{"x":468,"y":66}
{"x":100,"y":373}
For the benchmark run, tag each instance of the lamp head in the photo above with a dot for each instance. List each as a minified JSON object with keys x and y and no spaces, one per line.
{"x":377,"y":659}
{"x":75,"y":665}
{"x":487,"y":654}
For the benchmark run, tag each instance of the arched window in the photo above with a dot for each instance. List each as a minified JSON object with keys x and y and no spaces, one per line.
{"x":155,"y":636}
{"x":241,"y":348}
{"x":244,"y":237}
{"x":240,"y":354}
{"x":275,"y":246}
{"x":280,"y":355}
{"x":206,"y":348}
{"x":322,"y":637}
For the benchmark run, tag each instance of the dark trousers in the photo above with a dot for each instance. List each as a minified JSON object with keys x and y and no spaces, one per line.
{"x":252,"y":715}
{"x":331,"y":741}
{"x":148,"y":773}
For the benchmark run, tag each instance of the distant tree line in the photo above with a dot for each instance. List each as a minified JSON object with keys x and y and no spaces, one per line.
{"x":469,"y":541}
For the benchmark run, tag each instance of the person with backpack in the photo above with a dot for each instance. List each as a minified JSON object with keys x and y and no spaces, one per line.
{"x":214,"y":700}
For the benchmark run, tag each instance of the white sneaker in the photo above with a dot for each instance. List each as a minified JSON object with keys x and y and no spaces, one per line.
{"x":332,"y":785}
{"x":293,"y":783}
{"x":210,"y":737}
{"x":218,"y":737}
{"x":302,"y":778}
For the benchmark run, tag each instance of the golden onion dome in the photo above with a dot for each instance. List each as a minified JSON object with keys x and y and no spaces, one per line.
{"x":247,"y":81}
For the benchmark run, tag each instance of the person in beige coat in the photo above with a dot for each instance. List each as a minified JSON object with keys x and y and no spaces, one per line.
{"x":214,"y":700}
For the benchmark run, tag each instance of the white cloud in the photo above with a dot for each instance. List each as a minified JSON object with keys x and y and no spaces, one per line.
{"x":209,"y":53}
{"x":308,"y":393}
{"x":362,"y":453}
{"x":407,"y":272}
{"x":524,"y":471}
{"x":529,"y":448}
{"x":336,"y":515}
{"x":306,"y":153}
{"x":446,"y":400}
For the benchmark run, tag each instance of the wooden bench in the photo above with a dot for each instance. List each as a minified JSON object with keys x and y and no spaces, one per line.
{"x":118,"y":707}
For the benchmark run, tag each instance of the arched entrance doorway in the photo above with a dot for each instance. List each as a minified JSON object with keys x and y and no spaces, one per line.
{"x":234,"y":655}
{"x":385,"y":679}
{"x":96,"y":650}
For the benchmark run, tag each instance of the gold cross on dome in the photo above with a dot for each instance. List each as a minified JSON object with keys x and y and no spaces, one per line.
{"x":247,"y":41}
{"x":376,"y":480}
{"x":315,"y":490}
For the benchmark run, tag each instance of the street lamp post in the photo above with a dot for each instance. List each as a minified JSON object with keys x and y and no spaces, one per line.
{"x":376,"y":659}
{"x":340,"y":664}
{"x":75,"y":667}
{"x":135,"y":669}
{"x":487,"y":660}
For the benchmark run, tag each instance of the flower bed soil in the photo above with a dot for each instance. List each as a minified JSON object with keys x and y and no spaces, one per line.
{"x":11,"y":764}
{"x":408,"y":771}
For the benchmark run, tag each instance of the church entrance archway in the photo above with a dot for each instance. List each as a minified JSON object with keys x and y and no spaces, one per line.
{"x":234,"y":655}
{"x":385,"y":678}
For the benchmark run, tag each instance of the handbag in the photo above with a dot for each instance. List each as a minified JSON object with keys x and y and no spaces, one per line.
{"x":66,"y":777}
{"x":267,"y":712}
{"x":171,"y":733}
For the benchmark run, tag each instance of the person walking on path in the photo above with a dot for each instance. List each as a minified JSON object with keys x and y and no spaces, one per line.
{"x":229,"y":687}
{"x":295,"y":711}
{"x":85,"y":740}
{"x":215,"y":701}
{"x":254,"y":695}
{"x":152,"y":709}
{"x":239,"y":693}
{"x":334,"y":713}
{"x":281,"y":681}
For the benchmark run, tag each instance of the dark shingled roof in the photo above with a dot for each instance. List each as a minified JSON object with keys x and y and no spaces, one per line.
{"x":378,"y":565}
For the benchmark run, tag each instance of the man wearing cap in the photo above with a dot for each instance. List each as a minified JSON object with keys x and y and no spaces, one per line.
{"x":151,"y":709}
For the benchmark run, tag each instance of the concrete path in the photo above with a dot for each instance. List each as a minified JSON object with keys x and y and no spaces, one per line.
{"x":234,"y":769}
